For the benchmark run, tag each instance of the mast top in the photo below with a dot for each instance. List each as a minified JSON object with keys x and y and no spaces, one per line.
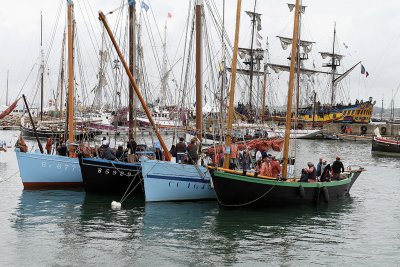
{"x":132,"y":2}
{"x":302,"y":9}
{"x":70,"y":2}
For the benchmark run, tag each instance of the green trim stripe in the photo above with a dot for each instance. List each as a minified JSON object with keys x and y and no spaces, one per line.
{"x":249,"y":179}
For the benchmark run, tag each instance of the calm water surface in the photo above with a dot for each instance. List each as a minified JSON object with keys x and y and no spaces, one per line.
{"x":70,"y":228}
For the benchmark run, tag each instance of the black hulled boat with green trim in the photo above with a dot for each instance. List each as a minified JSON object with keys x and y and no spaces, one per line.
{"x":236,"y":189}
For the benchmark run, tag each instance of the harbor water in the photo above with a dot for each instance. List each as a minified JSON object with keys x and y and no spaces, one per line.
{"x":71,"y":228}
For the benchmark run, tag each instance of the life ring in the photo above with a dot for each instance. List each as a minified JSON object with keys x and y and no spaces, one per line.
{"x":363,"y":129}
{"x":383,"y":130}
{"x":343,"y":128}
{"x":300,"y":126}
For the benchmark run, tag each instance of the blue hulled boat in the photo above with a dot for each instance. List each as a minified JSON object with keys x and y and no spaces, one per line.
{"x":169,"y":181}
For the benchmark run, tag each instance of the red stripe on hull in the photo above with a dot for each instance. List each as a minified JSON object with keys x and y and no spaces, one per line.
{"x":57,"y":185}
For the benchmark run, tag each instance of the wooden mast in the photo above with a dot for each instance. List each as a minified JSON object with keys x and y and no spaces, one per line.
{"x":199,"y":99}
{"x":290,"y":91}
{"x":233,"y":83}
{"x":132,"y":61}
{"x":132,"y":80}
{"x":71,"y":115}
{"x":264,"y":94}
{"x":252,"y":58}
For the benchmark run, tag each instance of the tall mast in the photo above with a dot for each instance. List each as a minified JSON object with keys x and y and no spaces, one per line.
{"x":163,"y":101}
{"x":382,"y":110}
{"x":132,"y":69}
{"x":222,"y":69}
{"x":41,"y":67}
{"x":264,"y":93}
{"x":333,"y":66}
{"x":290,"y":91}
{"x":8,"y":72}
{"x":233,"y":83}
{"x":71,"y":115}
{"x":252,"y":56}
{"x":298,"y":64}
{"x":62,"y":76}
{"x":199,"y":100}
{"x":132,"y":80}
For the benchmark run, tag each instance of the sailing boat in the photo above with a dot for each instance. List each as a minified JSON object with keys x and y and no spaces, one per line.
{"x":165,"y":180}
{"x":38,"y":170}
{"x":234,"y":189}
{"x":316,"y":113}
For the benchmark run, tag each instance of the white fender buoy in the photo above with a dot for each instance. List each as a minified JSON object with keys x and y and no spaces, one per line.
{"x":115,"y":205}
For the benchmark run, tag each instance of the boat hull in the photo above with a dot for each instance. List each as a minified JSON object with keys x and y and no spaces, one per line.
{"x":48,"y":171}
{"x":27,"y":132}
{"x":169,"y":181}
{"x":386,"y":146}
{"x":234,"y":190}
{"x":107,"y":176}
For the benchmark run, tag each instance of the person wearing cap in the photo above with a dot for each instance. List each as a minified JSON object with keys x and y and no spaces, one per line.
{"x":311,"y":172}
{"x":337,"y":168}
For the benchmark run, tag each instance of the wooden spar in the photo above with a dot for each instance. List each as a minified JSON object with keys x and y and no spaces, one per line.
{"x":199,"y":99}
{"x":264,"y":94}
{"x":290,"y":91}
{"x":233,"y":84}
{"x":132,"y":80}
{"x":132,"y":60}
{"x":42,"y":68}
{"x":71,"y":115}
{"x":33,"y":125}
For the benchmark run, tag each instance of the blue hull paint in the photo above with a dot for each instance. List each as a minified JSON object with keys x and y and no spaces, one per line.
{"x":169,"y":181}
{"x":49,"y":170}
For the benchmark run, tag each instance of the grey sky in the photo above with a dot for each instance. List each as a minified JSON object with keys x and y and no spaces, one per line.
{"x":369,"y":29}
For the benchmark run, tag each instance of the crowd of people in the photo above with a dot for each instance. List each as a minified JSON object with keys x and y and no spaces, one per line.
{"x":255,"y":160}
{"x":324,"y":172}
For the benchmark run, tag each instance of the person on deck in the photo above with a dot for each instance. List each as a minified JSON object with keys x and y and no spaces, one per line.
{"x":266,"y":168}
{"x":193,"y":151}
{"x":180,"y":150}
{"x":62,"y":149}
{"x":311,"y":172}
{"x":120,"y":153}
{"x":275,"y":167}
{"x":234,"y":154}
{"x":245,"y":160}
{"x":107,"y":152}
{"x":132,"y":146}
{"x":326,"y":172}
{"x":319,"y":167}
{"x":49,"y":145}
{"x":258,"y":154}
{"x":21,"y":144}
{"x":337,"y":168}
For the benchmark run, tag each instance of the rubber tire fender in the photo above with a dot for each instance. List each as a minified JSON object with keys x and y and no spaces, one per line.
{"x":302,"y":192}
{"x":325,"y":194}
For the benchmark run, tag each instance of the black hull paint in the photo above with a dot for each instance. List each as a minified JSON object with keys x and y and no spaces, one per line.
{"x":26,"y":132}
{"x":106,"y":176}
{"x":384,"y":147}
{"x":238,"y":193}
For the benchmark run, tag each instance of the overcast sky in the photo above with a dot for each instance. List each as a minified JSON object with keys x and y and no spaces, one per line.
{"x":369,"y":29}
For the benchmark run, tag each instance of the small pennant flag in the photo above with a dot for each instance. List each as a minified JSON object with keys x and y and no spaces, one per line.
{"x":145,"y":6}
{"x":345,"y":45}
{"x":169,"y":15}
{"x":366,"y":74}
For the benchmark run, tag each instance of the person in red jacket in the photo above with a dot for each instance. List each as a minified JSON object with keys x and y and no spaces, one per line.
{"x":49,"y":145}
{"x":275,"y":167}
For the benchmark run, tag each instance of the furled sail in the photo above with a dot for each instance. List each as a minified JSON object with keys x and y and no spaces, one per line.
{"x":324,"y":55}
{"x":306,"y":45}
{"x":309,"y":72}
{"x":302,"y":9}
{"x":9,"y":109}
